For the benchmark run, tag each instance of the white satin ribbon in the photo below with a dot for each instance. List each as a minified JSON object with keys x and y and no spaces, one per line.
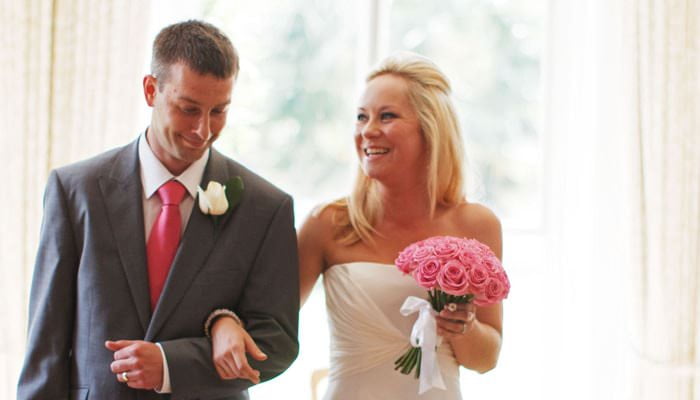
{"x":424,"y":335}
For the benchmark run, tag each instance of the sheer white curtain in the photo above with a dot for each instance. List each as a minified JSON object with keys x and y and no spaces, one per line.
{"x":666,"y":204}
{"x":624,"y":201}
{"x":70,"y":73}
{"x":587,"y":151}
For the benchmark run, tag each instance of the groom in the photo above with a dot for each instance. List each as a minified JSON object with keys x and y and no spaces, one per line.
{"x":129,"y":267}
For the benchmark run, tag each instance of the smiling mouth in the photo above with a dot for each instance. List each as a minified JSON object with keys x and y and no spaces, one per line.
{"x":196,"y":143}
{"x":374,"y":151}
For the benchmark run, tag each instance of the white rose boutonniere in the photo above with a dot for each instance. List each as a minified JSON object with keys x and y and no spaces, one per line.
{"x":218,"y":199}
{"x":213,"y":201}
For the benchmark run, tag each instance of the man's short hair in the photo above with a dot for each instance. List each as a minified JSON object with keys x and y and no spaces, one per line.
{"x":200,"y":45}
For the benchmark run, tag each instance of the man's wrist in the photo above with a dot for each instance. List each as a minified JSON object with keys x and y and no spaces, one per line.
{"x":165,"y":383}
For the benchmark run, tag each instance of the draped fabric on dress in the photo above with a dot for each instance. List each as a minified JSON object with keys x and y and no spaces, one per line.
{"x":368,"y":334}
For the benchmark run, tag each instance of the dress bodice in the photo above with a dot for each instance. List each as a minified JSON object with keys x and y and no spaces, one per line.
{"x":368,"y":333}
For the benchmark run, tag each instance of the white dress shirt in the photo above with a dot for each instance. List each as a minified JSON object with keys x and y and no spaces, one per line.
{"x":153,"y":176}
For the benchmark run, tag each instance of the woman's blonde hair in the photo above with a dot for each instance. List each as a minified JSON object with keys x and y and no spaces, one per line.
{"x":429,"y":93}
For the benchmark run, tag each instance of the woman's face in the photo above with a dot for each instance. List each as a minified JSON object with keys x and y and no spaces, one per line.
{"x":388,"y":137}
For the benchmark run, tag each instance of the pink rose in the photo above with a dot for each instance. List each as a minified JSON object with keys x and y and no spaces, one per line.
{"x":404,"y":261}
{"x":503,"y":277}
{"x":446,"y":249}
{"x":468,"y":257}
{"x":476,"y":247}
{"x":453,"y":279}
{"x":492,"y":263}
{"x":477,"y":276}
{"x":426,"y":273}
{"x":495,"y":291}
{"x":422,"y":253}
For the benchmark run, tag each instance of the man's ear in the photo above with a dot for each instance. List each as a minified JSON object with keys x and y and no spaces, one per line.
{"x":150,"y":87}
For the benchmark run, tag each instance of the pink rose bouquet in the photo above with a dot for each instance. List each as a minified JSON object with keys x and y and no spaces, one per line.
{"x":453,"y":270}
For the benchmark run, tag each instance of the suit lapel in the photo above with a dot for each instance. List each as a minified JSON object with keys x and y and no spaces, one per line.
{"x":122,"y":194}
{"x":197,"y":242}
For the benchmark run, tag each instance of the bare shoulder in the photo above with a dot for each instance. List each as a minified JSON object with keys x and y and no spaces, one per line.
{"x":481,"y":223}
{"x":315,"y":242}
{"x":318,"y":231}
{"x":320,"y":221}
{"x":477,"y":215}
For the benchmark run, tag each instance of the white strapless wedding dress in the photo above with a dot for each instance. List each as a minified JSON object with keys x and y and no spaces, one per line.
{"x":368,"y":333}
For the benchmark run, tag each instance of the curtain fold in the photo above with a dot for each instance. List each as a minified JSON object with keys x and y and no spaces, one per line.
{"x":70,"y":78}
{"x":623,"y":138}
{"x":666,"y":207}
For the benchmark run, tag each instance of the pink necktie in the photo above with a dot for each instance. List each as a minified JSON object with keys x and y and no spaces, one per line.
{"x":164,"y":238}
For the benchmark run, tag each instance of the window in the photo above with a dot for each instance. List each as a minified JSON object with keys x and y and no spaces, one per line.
{"x":292,"y":112}
{"x":490,"y":51}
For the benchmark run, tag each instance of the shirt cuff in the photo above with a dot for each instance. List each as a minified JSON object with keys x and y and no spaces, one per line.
{"x":166,"y":373}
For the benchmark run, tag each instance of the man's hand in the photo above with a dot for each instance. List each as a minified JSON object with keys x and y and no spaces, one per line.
{"x":230,"y":343}
{"x":142,"y":361}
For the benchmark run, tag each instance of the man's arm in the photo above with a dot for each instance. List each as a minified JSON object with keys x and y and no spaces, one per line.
{"x":46,"y":370}
{"x":269,"y":306}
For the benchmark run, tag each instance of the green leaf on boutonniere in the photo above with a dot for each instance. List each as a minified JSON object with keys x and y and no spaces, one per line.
{"x":234,"y":191}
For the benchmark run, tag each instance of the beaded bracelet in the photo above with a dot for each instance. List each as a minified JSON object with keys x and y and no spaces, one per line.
{"x":220,"y":312}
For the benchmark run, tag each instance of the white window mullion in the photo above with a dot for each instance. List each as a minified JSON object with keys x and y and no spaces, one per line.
{"x":373,"y":40}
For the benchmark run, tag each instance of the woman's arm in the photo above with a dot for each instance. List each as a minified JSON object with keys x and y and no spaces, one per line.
{"x":228,"y":335}
{"x":478,"y":347}
{"x":312,"y":239}
{"x":475,"y":332}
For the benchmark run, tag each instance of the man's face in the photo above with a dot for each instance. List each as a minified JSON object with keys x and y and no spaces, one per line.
{"x":189,"y":112}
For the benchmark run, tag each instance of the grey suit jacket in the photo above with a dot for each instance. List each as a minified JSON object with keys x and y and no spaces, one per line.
{"x":91,"y":283}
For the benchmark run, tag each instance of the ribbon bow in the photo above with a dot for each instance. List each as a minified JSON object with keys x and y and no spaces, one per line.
{"x":424,"y":335}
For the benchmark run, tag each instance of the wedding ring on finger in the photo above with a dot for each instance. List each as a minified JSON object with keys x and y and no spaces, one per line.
{"x":452,"y":307}
{"x":125,"y":377}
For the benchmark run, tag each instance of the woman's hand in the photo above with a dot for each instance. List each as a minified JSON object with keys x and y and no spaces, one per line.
{"x":456,"y":320}
{"x":230,"y":343}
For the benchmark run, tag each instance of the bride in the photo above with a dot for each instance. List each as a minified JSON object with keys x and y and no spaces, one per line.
{"x":409,"y":187}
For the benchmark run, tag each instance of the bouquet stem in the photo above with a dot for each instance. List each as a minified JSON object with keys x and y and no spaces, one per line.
{"x":411,"y":359}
